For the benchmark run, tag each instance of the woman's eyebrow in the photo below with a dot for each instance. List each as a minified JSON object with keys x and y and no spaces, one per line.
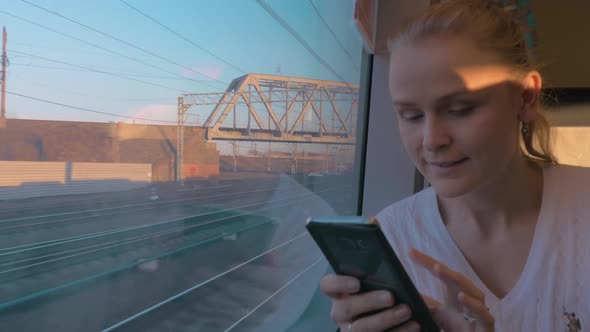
{"x":461,"y":97}
{"x":440,"y":100}
{"x":452,"y":95}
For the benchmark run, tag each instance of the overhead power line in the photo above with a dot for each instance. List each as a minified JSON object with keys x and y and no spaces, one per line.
{"x":171,"y":99}
{"x":97,"y":71}
{"x":354,"y":62}
{"x":86,"y":109}
{"x":104,"y":49}
{"x":124,"y":42}
{"x":184,"y":38}
{"x":86,"y":70}
{"x":297,"y":37}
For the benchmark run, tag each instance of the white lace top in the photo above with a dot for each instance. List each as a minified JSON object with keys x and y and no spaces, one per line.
{"x":555,"y":283}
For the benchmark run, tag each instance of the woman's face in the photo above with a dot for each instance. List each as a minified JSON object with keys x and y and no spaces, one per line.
{"x":458,"y":110}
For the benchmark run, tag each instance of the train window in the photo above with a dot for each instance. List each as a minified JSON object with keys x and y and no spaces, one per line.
{"x":158,"y":161}
{"x":567,"y":110}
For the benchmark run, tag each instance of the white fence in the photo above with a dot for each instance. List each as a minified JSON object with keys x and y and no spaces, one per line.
{"x":22,"y":179}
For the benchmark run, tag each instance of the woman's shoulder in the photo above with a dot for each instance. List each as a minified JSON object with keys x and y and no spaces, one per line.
{"x":569,"y":174}
{"x":569,"y":182}
{"x":567,"y":198}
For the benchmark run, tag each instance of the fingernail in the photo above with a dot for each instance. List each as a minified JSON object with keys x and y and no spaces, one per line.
{"x":385,"y":298}
{"x":431,"y":306}
{"x":461,"y":296}
{"x":352,"y":285}
{"x":437,"y":269}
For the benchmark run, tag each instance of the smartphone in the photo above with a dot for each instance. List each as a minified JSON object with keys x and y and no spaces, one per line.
{"x":357,"y":247}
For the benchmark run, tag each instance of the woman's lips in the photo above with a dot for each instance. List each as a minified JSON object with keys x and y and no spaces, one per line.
{"x":447,"y":164}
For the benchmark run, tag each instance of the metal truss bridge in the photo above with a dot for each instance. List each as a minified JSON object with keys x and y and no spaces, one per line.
{"x":271,"y":108}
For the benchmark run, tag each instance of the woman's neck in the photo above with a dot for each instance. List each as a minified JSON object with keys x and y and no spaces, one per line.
{"x":513,"y":197}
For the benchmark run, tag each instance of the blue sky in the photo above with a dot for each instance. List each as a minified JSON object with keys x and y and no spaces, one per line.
{"x":239,"y":31}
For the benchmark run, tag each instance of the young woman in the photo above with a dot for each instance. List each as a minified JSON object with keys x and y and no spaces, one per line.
{"x":499,"y":240}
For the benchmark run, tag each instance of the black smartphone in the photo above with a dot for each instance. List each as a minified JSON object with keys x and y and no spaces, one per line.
{"x":357,"y":247}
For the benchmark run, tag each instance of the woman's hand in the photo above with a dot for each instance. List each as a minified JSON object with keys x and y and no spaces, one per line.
{"x":370,"y":311}
{"x":467,"y":310}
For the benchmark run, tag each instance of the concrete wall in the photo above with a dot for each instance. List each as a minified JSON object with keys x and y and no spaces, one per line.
{"x":281,"y":165}
{"x":37,"y":140}
{"x":24,"y":179}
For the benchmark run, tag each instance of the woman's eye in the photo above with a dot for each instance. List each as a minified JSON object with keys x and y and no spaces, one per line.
{"x":411,"y":116}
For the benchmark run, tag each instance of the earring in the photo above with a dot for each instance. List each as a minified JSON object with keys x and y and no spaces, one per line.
{"x":524,"y":128}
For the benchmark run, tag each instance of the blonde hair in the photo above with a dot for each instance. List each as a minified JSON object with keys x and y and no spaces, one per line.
{"x":494,"y":30}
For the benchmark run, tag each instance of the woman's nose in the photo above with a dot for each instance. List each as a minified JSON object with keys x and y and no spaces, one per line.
{"x":435,"y":135}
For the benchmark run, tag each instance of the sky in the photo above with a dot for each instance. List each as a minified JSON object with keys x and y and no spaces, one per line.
{"x":145,"y":84}
{"x":238,"y":31}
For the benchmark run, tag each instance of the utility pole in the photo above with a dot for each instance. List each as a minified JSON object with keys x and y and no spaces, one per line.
{"x":4,"y":64}
{"x":270,"y":103}
{"x":233,"y":143}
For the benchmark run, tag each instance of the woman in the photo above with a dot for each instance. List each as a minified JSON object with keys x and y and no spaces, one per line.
{"x":497,"y":242}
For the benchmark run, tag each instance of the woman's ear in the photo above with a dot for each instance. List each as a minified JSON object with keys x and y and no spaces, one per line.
{"x":530,"y":96}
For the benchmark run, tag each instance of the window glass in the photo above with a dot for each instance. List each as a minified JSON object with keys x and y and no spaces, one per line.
{"x":570,"y":125}
{"x":159,"y":159}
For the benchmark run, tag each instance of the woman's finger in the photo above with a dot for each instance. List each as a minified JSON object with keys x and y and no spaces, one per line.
{"x":450,"y":277}
{"x":459,"y":280}
{"x":431,"y":303}
{"x":411,"y":326}
{"x":350,"y":307}
{"x":335,"y":286}
{"x":477,"y":309}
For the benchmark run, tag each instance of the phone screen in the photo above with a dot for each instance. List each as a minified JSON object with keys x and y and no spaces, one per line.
{"x":362,"y":257}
